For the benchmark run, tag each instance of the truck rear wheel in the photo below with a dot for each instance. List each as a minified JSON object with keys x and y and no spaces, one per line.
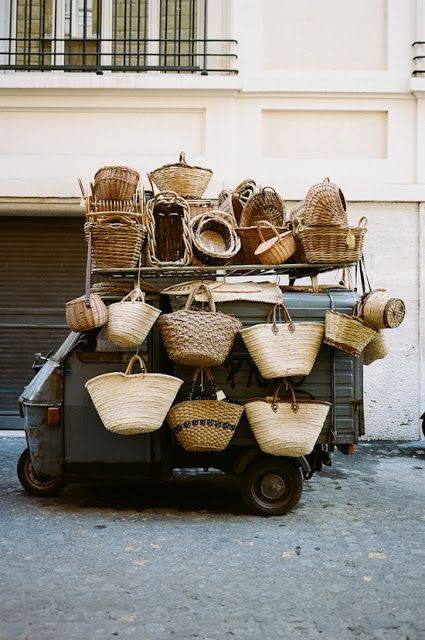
{"x":271,"y":486}
{"x":34,"y":484}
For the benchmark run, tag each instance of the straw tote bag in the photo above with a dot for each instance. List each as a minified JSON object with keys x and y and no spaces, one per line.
{"x":204,"y":424}
{"x":130,"y":320}
{"x":130,"y":403}
{"x":286,"y":427}
{"x":198,"y":338}
{"x":283,"y":349}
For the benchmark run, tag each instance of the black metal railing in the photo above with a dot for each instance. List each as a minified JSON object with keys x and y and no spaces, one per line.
{"x":418,"y":58}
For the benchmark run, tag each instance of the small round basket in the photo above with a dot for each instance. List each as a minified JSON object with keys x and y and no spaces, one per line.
{"x":266,"y":204}
{"x":381,"y":311}
{"x":85,"y":313}
{"x":115,"y":183}
{"x":215,"y":241}
{"x":278,"y":248}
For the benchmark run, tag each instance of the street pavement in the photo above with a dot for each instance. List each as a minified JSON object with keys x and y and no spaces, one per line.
{"x":184,"y":560}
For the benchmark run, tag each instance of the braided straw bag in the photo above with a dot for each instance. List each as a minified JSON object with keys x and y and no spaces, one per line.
{"x":286,"y":349}
{"x":323,"y":205}
{"x":115,"y":183}
{"x":130,"y":403}
{"x":116,"y":241}
{"x":186,"y":181}
{"x":332,"y":244}
{"x":350,"y":334}
{"x":377,"y":349}
{"x":381,"y":311}
{"x":168,"y":227}
{"x":286,"y":427}
{"x":204,"y":424}
{"x":198,"y":338}
{"x":214,"y":239}
{"x":130,"y":320}
{"x":266,"y":204}
{"x":278,"y":248}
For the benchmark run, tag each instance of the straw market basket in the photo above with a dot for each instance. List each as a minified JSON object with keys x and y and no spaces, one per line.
{"x":286,"y":427}
{"x":204,"y":424}
{"x":130,"y":320}
{"x":347,"y":333}
{"x":116,"y":242}
{"x":381,"y":311}
{"x":214,"y":240}
{"x":185,"y":180}
{"x":277,"y":249}
{"x":115,"y":183}
{"x":168,"y":227}
{"x":130,"y":403}
{"x":198,"y":338}
{"x":333,"y":244}
{"x":377,"y":349}
{"x":266,"y":204}
{"x":85,"y":313}
{"x":323,"y":205}
{"x":283,"y":349}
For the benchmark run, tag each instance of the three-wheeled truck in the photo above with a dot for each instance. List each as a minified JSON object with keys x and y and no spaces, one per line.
{"x":67,"y":442}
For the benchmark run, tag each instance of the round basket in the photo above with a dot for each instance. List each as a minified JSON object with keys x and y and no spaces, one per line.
{"x":85,"y":313}
{"x":331,"y":245}
{"x":278,"y":248}
{"x":249,"y":243}
{"x":377,"y":349}
{"x":185,"y":180}
{"x":381,"y":311}
{"x":116,"y":242}
{"x":115,"y":183}
{"x":214,"y":240}
{"x":266,"y":204}
{"x":347,"y":333}
{"x":323,"y":205}
{"x":130,"y":320}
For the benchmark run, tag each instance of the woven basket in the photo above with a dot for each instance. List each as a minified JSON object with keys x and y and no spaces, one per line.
{"x":198,"y":338}
{"x":115,"y":183}
{"x":130,"y":320}
{"x":116,"y":242}
{"x":376,"y":349}
{"x":129,"y":403}
{"x":286,"y":427}
{"x":324,"y":205}
{"x":347,"y":333}
{"x":277,"y":249}
{"x":214,"y":240}
{"x":381,"y":311}
{"x":85,"y":313}
{"x":186,"y":181}
{"x":283,"y":349}
{"x":249,"y":243}
{"x":196,"y":207}
{"x":204,"y":424}
{"x":331,"y":245}
{"x":266,"y":204}
{"x":168,"y":227}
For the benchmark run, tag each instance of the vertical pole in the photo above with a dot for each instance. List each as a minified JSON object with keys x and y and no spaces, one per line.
{"x":154,"y":31}
{"x":204,"y":71}
{"x":59,"y":33}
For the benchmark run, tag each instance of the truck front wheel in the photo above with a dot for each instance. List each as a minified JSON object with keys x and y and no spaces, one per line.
{"x":34,"y":484}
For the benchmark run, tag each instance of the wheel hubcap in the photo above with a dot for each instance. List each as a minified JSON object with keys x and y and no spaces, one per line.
{"x":272,"y":486}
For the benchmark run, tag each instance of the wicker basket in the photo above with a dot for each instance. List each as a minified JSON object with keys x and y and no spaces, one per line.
{"x":168,"y":226}
{"x":130,"y":403}
{"x":331,"y":245}
{"x":197,"y":207}
{"x":249,"y":243}
{"x":186,"y":181}
{"x":286,"y":427}
{"x":347,"y":333}
{"x":198,"y":338}
{"x":278,"y":248}
{"x":85,"y":313}
{"x":214,"y":240}
{"x":117,"y":242}
{"x":115,"y":183}
{"x":266,"y":204}
{"x":130,"y":320}
{"x":376,"y":349}
{"x":204,"y":424}
{"x":380,"y":311}
{"x":324,"y":205}
{"x":283,"y":349}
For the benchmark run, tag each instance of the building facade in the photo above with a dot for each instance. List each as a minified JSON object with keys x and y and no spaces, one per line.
{"x":279,"y":91}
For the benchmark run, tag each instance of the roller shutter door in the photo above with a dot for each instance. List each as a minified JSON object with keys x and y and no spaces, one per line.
{"x":42,"y":262}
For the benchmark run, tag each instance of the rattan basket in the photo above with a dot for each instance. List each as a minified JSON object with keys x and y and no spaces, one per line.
{"x":168,"y":226}
{"x":85,"y":313}
{"x":376,"y":349}
{"x":115,"y":183}
{"x":323,"y":205}
{"x":348,"y":333}
{"x":381,"y":311}
{"x":201,"y":205}
{"x":331,"y":245}
{"x":130,"y":320}
{"x":276,"y":249}
{"x":250,"y":241}
{"x":283,"y":349}
{"x":117,"y":242}
{"x":185,"y":180}
{"x":266,"y":204}
{"x":215,"y":242}
{"x":286,"y":427}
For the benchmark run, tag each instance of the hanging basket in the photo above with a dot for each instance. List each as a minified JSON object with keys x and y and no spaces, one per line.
{"x":204,"y":424}
{"x":183,"y":179}
{"x":130,"y":403}
{"x":347,"y":333}
{"x":323,"y":205}
{"x":198,"y":338}
{"x":376,"y":349}
{"x":381,"y":311}
{"x":86,"y":313}
{"x":286,"y":427}
{"x":130,"y":320}
{"x":331,"y":245}
{"x":266,"y":204}
{"x":283,"y":349}
{"x":276,"y":249}
{"x":168,"y":227}
{"x":214,"y":240}
{"x":116,"y":242}
{"x":115,"y":183}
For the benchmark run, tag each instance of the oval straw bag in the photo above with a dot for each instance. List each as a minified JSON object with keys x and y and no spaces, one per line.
{"x":116,"y":242}
{"x":286,"y":427}
{"x":214,"y":239}
{"x":376,"y":349}
{"x":115,"y":183}
{"x":130,"y":320}
{"x":323,"y":205}
{"x":198,"y":338}
{"x":277,"y":249}
{"x":380,"y":311}
{"x":130,"y":403}
{"x":186,"y":181}
{"x":284,"y":349}
{"x":266,"y":204}
{"x":204,"y":424}
{"x":347,"y":333}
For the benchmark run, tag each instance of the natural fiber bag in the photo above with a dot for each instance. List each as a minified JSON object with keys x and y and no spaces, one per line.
{"x":276,"y":249}
{"x":376,"y":349}
{"x":130,"y":320}
{"x":130,"y":403}
{"x":381,"y":311}
{"x":198,"y":338}
{"x":283,"y":349}
{"x":347,"y":333}
{"x":286,"y":427}
{"x":204,"y":424}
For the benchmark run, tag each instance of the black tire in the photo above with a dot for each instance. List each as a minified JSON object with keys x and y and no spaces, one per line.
{"x":33,"y":484}
{"x":271,"y":486}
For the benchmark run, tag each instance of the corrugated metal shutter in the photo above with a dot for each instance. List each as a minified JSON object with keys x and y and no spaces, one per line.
{"x":42,"y":266}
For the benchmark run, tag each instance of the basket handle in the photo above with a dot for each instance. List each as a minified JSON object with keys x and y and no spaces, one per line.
{"x":117,"y":218}
{"x":182,"y":158}
{"x":133,"y":359}
{"x":294,"y":404}
{"x":134,"y":295}
{"x":210,"y":379}
{"x":80,"y":184}
{"x":88,"y":271}
{"x":266,"y":223}
{"x":272,"y":316}
{"x":195,"y":290}
{"x":269,"y":189}
{"x":362,"y":223}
